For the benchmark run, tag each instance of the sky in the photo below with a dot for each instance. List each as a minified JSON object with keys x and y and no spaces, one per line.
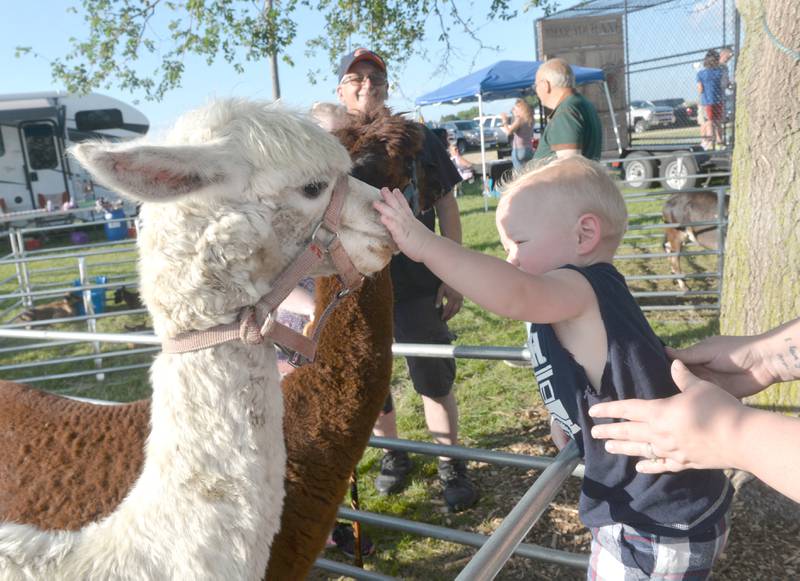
{"x":25,"y":24}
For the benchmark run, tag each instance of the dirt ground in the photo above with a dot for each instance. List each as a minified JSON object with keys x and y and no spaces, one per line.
{"x":764,"y":542}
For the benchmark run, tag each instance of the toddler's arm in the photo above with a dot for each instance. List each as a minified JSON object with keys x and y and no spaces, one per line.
{"x":557,"y":434}
{"x":494,"y":284}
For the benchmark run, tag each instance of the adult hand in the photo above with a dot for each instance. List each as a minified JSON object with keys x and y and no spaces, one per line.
{"x":693,"y":429}
{"x":450,"y":300}
{"x":504,"y":117}
{"x":737,"y":364}
{"x":408,"y":233}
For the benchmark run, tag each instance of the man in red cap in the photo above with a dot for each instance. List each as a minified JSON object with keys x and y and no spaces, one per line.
{"x":423,"y":304}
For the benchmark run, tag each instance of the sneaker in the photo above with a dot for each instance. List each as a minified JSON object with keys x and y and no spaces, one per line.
{"x":459,"y":492}
{"x":395,"y":466}
{"x":345,"y":540}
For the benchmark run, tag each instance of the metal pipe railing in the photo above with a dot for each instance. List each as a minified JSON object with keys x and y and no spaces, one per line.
{"x":501,"y":545}
{"x":475,"y":454}
{"x":350,"y":571}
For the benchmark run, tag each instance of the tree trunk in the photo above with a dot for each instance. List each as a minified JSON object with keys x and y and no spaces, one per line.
{"x":761,"y":286}
{"x":276,"y":84}
{"x":273,"y":62}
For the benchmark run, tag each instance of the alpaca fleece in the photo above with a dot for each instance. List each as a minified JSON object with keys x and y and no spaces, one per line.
{"x":330,"y":405}
{"x":230,"y":197}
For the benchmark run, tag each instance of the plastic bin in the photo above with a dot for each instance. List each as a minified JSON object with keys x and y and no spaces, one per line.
{"x":98,"y":295}
{"x":117,"y":228}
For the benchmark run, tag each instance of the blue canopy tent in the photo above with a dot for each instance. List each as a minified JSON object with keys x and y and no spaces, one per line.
{"x":504,"y":80}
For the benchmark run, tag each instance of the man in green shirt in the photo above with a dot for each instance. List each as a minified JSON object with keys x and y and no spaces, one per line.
{"x":574,"y":126}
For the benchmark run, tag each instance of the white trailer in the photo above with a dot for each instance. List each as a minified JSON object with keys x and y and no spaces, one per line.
{"x":35,"y":131}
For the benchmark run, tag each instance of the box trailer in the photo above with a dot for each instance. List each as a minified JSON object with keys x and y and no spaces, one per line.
{"x":650,"y":51}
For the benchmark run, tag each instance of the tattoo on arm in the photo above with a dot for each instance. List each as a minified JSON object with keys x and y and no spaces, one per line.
{"x":795,"y":354}
{"x":791,"y":358}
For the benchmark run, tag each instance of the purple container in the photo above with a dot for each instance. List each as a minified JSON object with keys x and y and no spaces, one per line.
{"x":79,"y":237}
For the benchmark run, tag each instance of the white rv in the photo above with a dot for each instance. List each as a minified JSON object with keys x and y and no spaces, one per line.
{"x":35,"y":131}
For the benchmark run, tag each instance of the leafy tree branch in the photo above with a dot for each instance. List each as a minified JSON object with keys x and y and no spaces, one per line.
{"x":122,"y":32}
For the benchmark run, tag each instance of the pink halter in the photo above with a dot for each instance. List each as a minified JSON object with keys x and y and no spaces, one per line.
{"x":256,"y":323}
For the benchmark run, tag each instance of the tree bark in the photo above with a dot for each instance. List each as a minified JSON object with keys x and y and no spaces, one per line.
{"x":761,"y":286}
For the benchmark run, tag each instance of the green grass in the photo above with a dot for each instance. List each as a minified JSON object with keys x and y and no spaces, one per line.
{"x":673,"y":135}
{"x":499,"y":409}
{"x":117,"y":267}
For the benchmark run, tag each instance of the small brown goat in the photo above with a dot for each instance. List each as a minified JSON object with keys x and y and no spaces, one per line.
{"x":67,"y":306}
{"x":130,"y":298}
{"x":686,"y":208}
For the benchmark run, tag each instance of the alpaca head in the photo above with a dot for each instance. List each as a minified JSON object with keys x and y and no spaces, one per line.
{"x":384,"y":149}
{"x":229,"y":198}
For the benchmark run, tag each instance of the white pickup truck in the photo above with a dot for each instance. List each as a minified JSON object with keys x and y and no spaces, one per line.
{"x":644,"y":115}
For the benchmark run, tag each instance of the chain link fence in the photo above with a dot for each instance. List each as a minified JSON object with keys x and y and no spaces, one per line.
{"x":651,"y":52}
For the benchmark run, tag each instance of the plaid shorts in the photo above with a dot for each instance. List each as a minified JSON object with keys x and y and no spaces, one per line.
{"x":623,"y":553}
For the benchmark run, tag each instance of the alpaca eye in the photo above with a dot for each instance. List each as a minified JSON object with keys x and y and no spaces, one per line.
{"x":314,"y":189}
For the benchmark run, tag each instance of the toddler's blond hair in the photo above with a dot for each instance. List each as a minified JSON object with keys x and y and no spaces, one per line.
{"x":582,"y":185}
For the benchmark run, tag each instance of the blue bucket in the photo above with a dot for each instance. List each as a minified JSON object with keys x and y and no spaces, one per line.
{"x":98,"y":295}
{"x":117,"y":229}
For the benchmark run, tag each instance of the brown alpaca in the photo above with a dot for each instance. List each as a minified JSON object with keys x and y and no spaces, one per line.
{"x":67,"y":306}
{"x":78,"y":469}
{"x":329,"y":425}
{"x":330,"y":405}
{"x":93,"y":454}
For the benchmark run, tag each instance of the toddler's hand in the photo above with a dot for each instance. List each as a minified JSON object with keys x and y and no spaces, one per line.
{"x":408,"y":233}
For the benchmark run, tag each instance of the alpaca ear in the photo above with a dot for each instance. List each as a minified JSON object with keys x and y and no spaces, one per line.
{"x":151,"y":173}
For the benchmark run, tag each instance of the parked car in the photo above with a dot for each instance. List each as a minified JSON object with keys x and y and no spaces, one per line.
{"x":644,"y":115}
{"x":467,"y":134}
{"x":496,"y":123}
{"x":685,"y":113}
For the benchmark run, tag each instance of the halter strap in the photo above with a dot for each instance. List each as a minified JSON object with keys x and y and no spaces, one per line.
{"x":257,"y":322}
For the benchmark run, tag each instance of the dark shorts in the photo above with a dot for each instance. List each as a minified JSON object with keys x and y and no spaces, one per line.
{"x":714,"y":112}
{"x":419,"y":321}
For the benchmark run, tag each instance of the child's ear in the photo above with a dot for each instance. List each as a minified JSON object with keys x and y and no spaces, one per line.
{"x":589,"y":230}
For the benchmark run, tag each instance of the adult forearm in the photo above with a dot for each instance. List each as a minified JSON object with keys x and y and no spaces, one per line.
{"x":781,"y":350}
{"x":449,"y":218}
{"x":765,"y":444}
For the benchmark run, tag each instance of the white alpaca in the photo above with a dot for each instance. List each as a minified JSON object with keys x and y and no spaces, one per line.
{"x":230,"y":198}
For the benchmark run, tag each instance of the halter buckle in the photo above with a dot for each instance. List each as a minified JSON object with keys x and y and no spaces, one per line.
{"x":333,"y":236}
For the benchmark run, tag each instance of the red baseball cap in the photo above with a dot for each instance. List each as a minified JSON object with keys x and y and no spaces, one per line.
{"x":358,"y":55}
